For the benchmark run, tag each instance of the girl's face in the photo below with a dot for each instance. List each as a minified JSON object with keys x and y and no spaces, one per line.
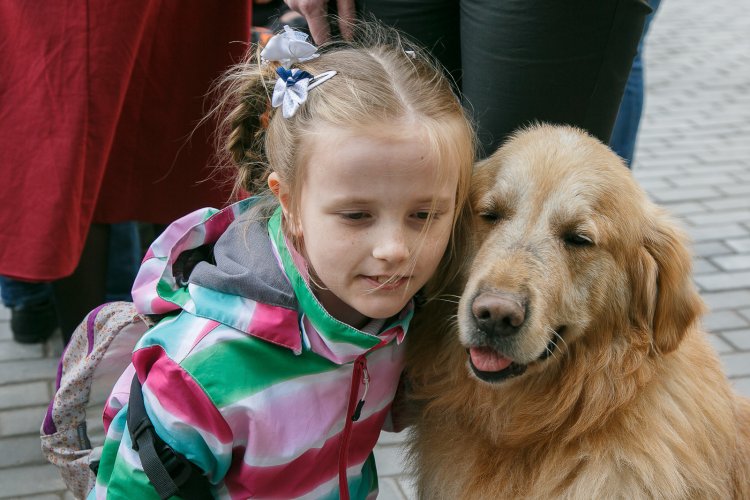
{"x":362,"y":219}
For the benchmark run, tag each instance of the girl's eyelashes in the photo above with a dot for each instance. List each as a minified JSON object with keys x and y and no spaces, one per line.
{"x":354,"y":216}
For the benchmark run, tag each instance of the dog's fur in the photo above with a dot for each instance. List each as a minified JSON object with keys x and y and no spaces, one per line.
{"x":622,"y":396}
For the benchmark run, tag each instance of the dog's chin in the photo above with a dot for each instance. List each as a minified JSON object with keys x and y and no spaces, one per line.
{"x":490,"y":365}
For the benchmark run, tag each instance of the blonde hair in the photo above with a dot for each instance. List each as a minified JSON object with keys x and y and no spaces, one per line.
{"x":381,"y":79}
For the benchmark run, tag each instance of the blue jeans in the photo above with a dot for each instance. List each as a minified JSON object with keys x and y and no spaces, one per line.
{"x":123,"y":262}
{"x":625,"y":133}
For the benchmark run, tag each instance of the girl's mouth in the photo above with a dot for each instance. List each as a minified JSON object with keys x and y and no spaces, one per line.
{"x":386,"y":282}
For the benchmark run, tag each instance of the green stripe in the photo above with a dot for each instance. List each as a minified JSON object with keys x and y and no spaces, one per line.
{"x":178,"y":295}
{"x":234,"y":369}
{"x":326,"y":324}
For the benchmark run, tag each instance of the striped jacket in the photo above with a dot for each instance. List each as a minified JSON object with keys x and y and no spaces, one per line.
{"x":250,"y":378}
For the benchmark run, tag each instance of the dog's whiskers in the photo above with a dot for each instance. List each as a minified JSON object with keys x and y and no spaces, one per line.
{"x":450,"y":301}
{"x":546,"y":348}
{"x":561,"y":338}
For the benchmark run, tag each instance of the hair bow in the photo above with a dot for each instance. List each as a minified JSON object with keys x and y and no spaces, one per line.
{"x":290,"y":90}
{"x":289,"y":47}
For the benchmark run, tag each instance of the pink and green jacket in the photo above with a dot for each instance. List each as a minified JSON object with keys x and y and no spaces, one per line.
{"x":248,"y":376}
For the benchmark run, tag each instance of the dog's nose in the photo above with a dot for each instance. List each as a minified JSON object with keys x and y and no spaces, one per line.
{"x":498,"y":313}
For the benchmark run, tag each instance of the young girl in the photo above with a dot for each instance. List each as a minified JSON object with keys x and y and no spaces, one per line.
{"x":277,"y":364}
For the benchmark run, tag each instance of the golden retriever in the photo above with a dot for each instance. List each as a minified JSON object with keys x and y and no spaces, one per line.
{"x":577,"y":368}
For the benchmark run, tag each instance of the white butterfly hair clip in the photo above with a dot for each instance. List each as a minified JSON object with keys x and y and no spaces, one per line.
{"x":292,"y":86}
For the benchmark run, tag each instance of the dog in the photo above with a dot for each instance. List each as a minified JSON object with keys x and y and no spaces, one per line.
{"x":573,"y":366}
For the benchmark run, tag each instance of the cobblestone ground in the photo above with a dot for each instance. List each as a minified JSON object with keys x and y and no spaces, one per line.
{"x":693,"y":157}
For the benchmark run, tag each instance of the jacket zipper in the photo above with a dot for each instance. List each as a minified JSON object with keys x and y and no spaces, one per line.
{"x":354,"y":409}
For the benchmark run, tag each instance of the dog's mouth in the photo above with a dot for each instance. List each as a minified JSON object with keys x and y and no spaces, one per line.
{"x":490,"y":365}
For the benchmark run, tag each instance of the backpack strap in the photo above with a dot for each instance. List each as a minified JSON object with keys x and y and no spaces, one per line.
{"x":170,"y":473}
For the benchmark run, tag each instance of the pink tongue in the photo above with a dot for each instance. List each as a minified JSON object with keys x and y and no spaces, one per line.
{"x":487,"y":360}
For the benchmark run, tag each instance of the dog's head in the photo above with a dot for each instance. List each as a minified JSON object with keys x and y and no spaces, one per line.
{"x":570,"y":255}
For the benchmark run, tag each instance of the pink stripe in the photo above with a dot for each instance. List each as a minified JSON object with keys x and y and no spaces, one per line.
{"x":149,"y":255}
{"x":161,"y":306}
{"x":207,"y":328}
{"x":178,"y":393}
{"x":294,"y":479}
{"x":277,"y":325}
{"x":217,"y":224}
{"x":269,"y":437}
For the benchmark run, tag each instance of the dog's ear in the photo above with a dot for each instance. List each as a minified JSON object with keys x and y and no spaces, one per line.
{"x":667,"y":300}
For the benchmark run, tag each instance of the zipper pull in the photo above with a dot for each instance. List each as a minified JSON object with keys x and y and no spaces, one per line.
{"x":361,"y":403}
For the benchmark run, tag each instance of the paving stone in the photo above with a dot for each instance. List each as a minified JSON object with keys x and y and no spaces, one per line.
{"x":702,"y":266}
{"x":5,"y":331}
{"x":723,"y":281}
{"x":409,"y":486}
{"x":739,"y":244}
{"x":710,"y":248}
{"x":389,"y":490}
{"x":726,"y":300}
{"x":687,"y":194}
{"x":723,"y":320}
{"x":703,"y":180}
{"x":734,"y":189}
{"x":26,"y":451}
{"x":24,"y":394}
{"x":23,"y":421}
{"x":388,"y":438}
{"x":718,"y":217}
{"x":728,"y":203}
{"x":682,"y":209}
{"x":719,"y":232}
{"x":737,"y":364}
{"x":732,"y":262}
{"x":10,"y":350}
{"x":27,"y":370}
{"x":720,"y":345}
{"x":738,"y":338}
{"x":745,"y":313}
{"x":742,"y":386}
{"x":391,"y":461}
{"x":30,"y":480}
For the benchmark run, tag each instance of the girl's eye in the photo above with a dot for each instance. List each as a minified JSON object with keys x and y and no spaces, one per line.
{"x":354,"y":215}
{"x":422,"y":215}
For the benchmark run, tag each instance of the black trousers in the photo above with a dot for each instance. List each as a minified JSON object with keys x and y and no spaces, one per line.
{"x":522,"y":61}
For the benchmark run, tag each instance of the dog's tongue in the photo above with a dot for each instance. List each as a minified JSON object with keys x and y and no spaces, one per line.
{"x":487,"y":360}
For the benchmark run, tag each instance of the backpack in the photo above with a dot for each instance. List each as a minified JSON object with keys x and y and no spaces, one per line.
{"x":95,"y":369}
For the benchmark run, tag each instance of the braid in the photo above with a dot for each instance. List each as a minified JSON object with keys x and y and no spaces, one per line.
{"x":242,"y":104}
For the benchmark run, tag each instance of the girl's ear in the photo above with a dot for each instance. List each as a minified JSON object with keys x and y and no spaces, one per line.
{"x":280,"y":190}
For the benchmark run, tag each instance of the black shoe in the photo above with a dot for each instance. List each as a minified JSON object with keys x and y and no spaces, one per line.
{"x":33,"y":324}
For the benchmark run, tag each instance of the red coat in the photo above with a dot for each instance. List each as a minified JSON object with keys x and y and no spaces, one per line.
{"x":97,"y":99}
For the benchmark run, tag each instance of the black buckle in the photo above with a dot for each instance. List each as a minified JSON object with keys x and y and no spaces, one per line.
{"x":140,"y":430}
{"x":178,"y":467}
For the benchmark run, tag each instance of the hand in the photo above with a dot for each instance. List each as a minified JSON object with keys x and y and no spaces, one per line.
{"x":316,"y":14}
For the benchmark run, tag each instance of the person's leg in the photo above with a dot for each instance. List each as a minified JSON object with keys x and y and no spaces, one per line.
{"x":83,"y":290}
{"x":431,"y":23}
{"x":124,"y":260}
{"x":625,"y":132}
{"x":558,"y":62}
{"x":33,"y":318}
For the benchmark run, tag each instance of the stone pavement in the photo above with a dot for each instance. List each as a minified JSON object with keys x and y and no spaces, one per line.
{"x":693,"y":157}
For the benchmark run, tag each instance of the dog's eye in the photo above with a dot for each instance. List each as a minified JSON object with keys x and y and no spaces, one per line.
{"x":490,"y":216}
{"x":578,"y":240}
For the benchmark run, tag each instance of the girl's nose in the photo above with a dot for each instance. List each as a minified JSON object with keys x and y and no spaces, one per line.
{"x":391,"y":247}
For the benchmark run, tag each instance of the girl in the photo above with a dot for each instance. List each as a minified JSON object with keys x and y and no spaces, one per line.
{"x":277,"y":372}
